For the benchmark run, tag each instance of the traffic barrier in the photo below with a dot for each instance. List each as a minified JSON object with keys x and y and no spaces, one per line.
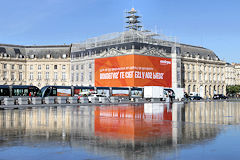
{"x":155,"y":99}
{"x":61,"y":100}
{"x":114,"y":99}
{"x":84,"y":100}
{"x":8,"y":101}
{"x":124,"y":99}
{"x":104,"y":100}
{"x":94,"y":100}
{"x":22,"y":100}
{"x":49,"y":100}
{"x":36,"y":100}
{"x":139,"y":99}
{"x":73,"y":100}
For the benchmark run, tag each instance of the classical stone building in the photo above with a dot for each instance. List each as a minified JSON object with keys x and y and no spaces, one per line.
{"x":35,"y":65}
{"x":202,"y":71}
{"x":232,"y":74}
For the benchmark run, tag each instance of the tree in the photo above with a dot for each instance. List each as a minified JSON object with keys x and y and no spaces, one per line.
{"x":233,"y":90}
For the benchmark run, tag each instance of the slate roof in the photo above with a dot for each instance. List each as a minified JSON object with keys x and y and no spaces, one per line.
{"x":56,"y":51}
{"x":197,"y":51}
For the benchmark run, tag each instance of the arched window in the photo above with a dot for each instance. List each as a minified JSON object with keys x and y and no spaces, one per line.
{"x":189,"y":89}
{"x":210,"y":92}
{"x":194,"y":88}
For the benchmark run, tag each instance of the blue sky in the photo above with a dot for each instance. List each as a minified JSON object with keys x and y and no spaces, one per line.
{"x":214,"y":24}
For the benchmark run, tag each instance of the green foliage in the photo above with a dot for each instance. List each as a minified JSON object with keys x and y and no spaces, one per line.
{"x":233,"y":89}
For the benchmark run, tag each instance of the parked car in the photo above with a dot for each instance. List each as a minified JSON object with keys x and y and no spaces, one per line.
{"x":195,"y":97}
{"x":219,"y":96}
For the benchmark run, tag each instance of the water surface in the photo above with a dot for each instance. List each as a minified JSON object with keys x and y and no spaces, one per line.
{"x":196,"y":130}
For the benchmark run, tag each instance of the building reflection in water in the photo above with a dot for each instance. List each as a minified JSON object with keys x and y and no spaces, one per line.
{"x":125,"y":130}
{"x":213,"y":112}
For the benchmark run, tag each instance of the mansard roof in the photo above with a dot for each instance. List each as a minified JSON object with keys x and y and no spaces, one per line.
{"x":55,"y":51}
{"x":194,"y":51}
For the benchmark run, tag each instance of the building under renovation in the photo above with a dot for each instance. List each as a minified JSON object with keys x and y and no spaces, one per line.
{"x":194,"y":68}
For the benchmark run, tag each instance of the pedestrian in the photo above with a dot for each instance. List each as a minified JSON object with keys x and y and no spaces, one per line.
{"x":170,"y":96}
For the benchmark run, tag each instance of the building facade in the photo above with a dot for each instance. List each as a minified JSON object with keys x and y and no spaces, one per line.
{"x":232,"y":74}
{"x":35,"y":65}
{"x":202,"y":71}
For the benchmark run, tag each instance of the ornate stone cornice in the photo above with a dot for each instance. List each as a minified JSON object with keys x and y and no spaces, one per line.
{"x":154,"y":52}
{"x":111,"y":52}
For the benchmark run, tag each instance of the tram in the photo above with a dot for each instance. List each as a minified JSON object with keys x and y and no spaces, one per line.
{"x":88,"y":90}
{"x":19,"y":90}
{"x":65,"y":90}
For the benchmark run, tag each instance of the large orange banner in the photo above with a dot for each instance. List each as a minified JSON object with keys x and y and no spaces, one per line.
{"x":134,"y":71}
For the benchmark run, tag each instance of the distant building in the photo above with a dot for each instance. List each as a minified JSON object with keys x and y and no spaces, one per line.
{"x":232,"y":74}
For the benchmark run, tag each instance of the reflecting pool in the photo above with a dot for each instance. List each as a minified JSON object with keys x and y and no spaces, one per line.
{"x":195,"y":130}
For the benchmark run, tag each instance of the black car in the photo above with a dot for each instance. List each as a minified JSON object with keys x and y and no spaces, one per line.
{"x":195,"y":97}
{"x":219,"y":96}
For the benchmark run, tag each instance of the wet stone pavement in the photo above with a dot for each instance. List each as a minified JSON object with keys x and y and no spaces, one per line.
{"x":195,"y":130}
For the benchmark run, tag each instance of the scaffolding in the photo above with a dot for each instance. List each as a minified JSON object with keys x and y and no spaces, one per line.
{"x":134,"y":34}
{"x":127,"y":37}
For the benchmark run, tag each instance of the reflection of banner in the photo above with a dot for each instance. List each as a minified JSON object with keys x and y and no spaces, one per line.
{"x":133,"y":70}
{"x":63,"y":92}
{"x":131,"y":122}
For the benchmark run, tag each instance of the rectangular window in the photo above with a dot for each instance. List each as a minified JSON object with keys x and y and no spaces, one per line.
{"x":77,"y":75}
{"x":82,"y":77}
{"x":4,"y":66}
{"x":20,"y":76}
{"x":63,"y":67}
{"x":39,"y":75}
{"x":31,"y":76}
{"x":82,"y":66}
{"x":55,"y":66}
{"x":20,"y":66}
{"x":31,"y":67}
{"x":72,"y":77}
{"x":72,"y":67}
{"x":47,"y":67}
{"x":90,"y":65}
{"x":55,"y":75}
{"x":4,"y":75}
{"x":39,"y":67}
{"x":12,"y":76}
{"x":13,"y":66}
{"x":90,"y":76}
{"x":76,"y":67}
{"x":64,"y":76}
{"x":47,"y":75}
{"x":193,"y":75}
{"x":178,"y":75}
